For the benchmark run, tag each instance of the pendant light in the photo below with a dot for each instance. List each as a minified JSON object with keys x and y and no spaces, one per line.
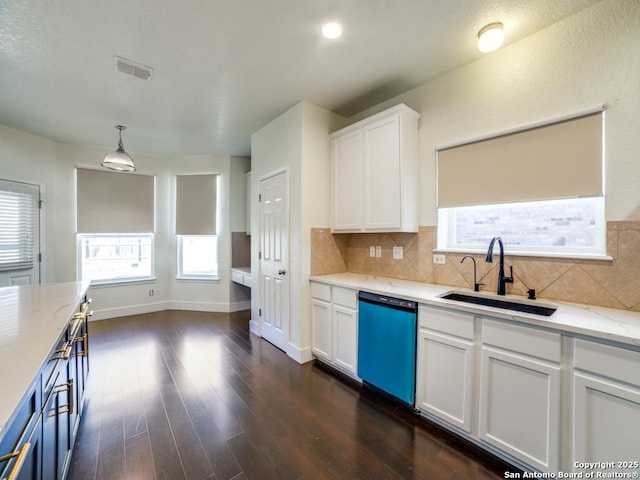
{"x":119,"y":160}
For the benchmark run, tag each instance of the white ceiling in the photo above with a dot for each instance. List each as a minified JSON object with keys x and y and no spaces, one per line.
{"x":225,"y":68}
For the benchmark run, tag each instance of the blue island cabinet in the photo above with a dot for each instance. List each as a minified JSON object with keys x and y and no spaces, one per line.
{"x":39,"y":439}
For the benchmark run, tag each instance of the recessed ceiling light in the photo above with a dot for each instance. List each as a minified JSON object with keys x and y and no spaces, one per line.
{"x":490,"y":37}
{"x":331,"y":30}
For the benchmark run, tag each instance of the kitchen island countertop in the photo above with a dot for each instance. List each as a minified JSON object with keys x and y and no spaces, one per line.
{"x":611,"y":324}
{"x":32,"y":318}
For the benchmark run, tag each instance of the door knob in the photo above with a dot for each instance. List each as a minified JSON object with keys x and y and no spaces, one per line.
{"x":282,"y":272}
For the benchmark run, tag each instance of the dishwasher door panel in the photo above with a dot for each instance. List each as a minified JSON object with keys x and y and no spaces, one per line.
{"x":387,"y":349}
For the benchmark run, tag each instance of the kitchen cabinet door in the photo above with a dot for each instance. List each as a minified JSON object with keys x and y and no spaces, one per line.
{"x":348,"y":174}
{"x":444,"y":383}
{"x":606,"y":420}
{"x":345,"y":323}
{"x":520,"y":407}
{"x":382,"y":199}
{"x":20,"y":447}
{"x":321,"y":325}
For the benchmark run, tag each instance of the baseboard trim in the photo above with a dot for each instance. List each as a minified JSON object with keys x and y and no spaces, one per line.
{"x":106,"y":313}
{"x":300,"y":355}
{"x":254,"y":327}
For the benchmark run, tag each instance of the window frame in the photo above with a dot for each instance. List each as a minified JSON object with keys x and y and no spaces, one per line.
{"x":180,"y":275}
{"x":446,"y":238}
{"x":25,"y":226}
{"x":115,"y":280}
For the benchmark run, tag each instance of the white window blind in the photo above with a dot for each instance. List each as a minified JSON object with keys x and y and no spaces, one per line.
{"x":556,"y":161}
{"x":196,"y":204}
{"x":18,"y":221}
{"x":110,"y":202}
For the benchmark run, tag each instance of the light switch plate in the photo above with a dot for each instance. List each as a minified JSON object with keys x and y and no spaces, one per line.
{"x":397,"y":253}
{"x":372,"y":251}
{"x":378,"y":251}
{"x":439,"y":259}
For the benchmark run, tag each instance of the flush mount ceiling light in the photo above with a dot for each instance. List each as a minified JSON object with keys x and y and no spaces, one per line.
{"x":331,"y":30}
{"x":119,"y":160}
{"x":490,"y":37}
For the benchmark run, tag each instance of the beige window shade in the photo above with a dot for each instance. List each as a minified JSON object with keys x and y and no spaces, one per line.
{"x":561,"y":160}
{"x":196,"y":204}
{"x":110,"y":202}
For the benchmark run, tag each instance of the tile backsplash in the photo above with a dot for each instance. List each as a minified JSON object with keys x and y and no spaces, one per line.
{"x":609,"y":283}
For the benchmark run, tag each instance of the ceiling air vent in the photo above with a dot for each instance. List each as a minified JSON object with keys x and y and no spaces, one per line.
{"x":128,"y":67}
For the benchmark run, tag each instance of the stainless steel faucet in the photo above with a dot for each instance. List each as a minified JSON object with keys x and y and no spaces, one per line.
{"x":502,"y":280}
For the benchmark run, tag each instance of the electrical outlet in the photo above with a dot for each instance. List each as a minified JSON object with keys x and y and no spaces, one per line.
{"x":151,"y":293}
{"x":397,"y":253}
{"x":439,"y":259}
{"x":378,"y":251}
{"x":372,"y":251}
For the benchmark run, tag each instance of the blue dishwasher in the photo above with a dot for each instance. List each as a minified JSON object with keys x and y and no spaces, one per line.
{"x":387,"y":344}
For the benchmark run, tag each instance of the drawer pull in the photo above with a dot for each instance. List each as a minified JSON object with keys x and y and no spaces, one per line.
{"x":65,"y":407}
{"x":20,"y":457}
{"x":62,"y":354}
{"x":85,"y":345}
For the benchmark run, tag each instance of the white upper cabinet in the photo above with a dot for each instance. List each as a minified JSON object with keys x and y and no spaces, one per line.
{"x":375,"y":173}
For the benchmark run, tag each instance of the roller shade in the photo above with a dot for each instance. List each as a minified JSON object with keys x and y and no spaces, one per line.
{"x":561,"y":160}
{"x":110,"y":202}
{"x":196,"y":198}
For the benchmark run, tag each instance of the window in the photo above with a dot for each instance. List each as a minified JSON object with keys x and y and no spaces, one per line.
{"x":115,"y":258}
{"x":115,"y":225}
{"x":18,"y":225}
{"x":569,"y":227}
{"x":541,"y":189}
{"x":197,"y":256}
{"x":196,"y":226}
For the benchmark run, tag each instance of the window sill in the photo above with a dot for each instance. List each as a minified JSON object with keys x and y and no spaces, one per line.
{"x":510,"y":253}
{"x":121,"y":282}
{"x":215,"y":279}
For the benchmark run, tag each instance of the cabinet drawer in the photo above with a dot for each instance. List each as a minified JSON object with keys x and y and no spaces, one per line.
{"x":453,"y":323}
{"x":20,"y":427}
{"x":345,"y":297}
{"x":527,"y":340}
{"x":321,"y":291}
{"x":607,"y":360}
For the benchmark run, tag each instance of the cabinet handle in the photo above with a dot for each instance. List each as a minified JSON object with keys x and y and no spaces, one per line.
{"x":83,"y":339}
{"x":20,"y":457}
{"x":62,"y":354}
{"x":65,"y":407}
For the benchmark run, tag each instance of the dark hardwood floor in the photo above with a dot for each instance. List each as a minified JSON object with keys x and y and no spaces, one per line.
{"x":190,"y":395}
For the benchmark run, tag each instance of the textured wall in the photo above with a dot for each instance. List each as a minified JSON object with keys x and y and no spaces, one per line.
{"x":614,"y":283}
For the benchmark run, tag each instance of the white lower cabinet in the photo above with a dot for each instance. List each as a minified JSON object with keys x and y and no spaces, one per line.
{"x":445,"y":366}
{"x":334,"y":324}
{"x":520,"y":386}
{"x":606,"y":408}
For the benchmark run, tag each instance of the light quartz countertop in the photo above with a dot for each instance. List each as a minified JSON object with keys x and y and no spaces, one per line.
{"x":599,"y":322}
{"x":32,"y":318}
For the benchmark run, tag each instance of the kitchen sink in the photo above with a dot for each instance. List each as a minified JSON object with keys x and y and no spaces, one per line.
{"x":517,"y":305}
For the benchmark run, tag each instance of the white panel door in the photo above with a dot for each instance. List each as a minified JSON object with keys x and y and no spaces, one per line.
{"x":606,"y":423}
{"x":382,"y":187}
{"x":520,"y":407}
{"x":19,"y":233}
{"x":347,"y":182}
{"x":321,"y":329}
{"x":444,"y":383}
{"x":273,"y":264}
{"x":345,"y":332}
